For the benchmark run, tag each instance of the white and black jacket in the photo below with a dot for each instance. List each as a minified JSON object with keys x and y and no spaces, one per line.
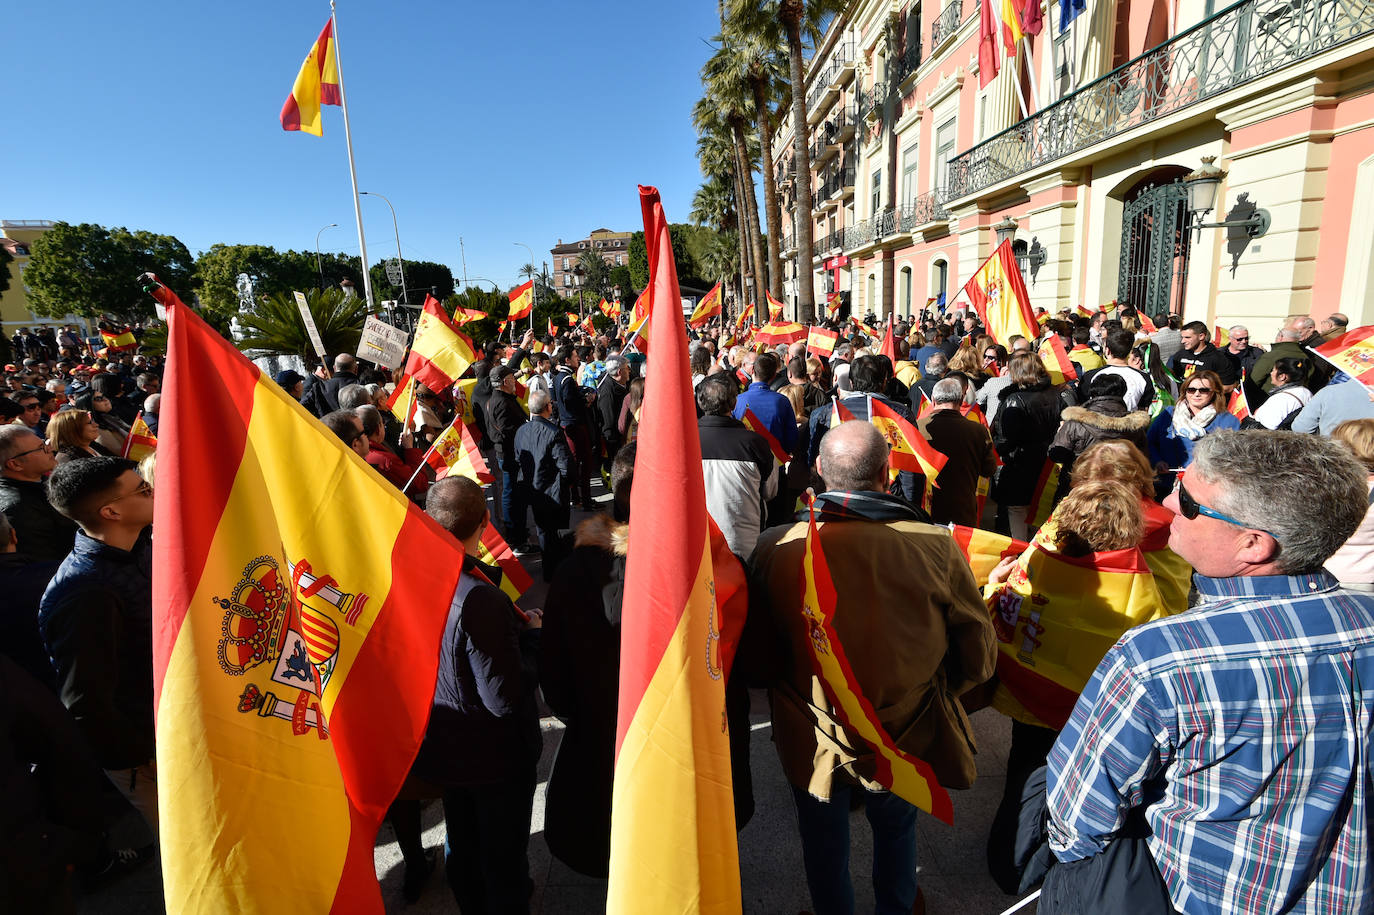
{"x":740,"y":475}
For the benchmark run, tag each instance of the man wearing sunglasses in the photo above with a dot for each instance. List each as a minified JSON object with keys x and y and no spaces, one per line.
{"x":96,"y":620}
{"x":25,"y":459}
{"x":1236,"y":736}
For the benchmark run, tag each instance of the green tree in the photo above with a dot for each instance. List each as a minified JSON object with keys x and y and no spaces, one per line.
{"x":596,"y":273}
{"x":422,"y":278}
{"x":687,"y":273}
{"x":275,"y":272}
{"x":89,"y":270}
{"x":620,"y":276}
{"x":799,"y":23}
{"x":495,"y":304}
{"x":5,"y":259}
{"x":275,"y":325}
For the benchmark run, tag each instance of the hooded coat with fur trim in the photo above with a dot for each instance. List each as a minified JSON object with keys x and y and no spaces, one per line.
{"x":1098,"y":420}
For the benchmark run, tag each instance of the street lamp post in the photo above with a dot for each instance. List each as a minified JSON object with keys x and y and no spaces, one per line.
{"x":395,"y":228}
{"x":318,"y":263}
{"x":534,"y":286}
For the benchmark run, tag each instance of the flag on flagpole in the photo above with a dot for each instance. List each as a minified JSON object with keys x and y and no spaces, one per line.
{"x":455,"y":452}
{"x":1239,"y":405}
{"x":904,"y":775}
{"x":606,"y":308}
{"x":553,"y":330}
{"x":640,"y":310}
{"x":402,"y":403}
{"x":1146,"y":324}
{"x":140,"y":442}
{"x":1011,"y":27}
{"x":673,"y":843}
{"x":294,"y":651}
{"x":494,"y":551}
{"x":521,"y":301}
{"x":889,"y":345}
{"x":1068,"y":12}
{"x":998,"y":293}
{"x":988,"y":64}
{"x":821,"y":341}
{"x":754,"y":424}
{"x":440,"y":353}
{"x":1220,"y":336}
{"x":1056,"y":360}
{"x":774,"y":307}
{"x":317,"y":84}
{"x":833,"y":304}
{"x":707,"y":308}
{"x":119,"y":340}
{"x":910,"y":450}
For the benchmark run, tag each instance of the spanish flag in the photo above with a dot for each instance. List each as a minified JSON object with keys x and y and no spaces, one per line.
{"x":521,"y":301}
{"x":141,"y":441}
{"x":904,"y":775}
{"x":455,"y":452}
{"x":1239,"y":405}
{"x":707,"y":308}
{"x":642,"y":306}
{"x":821,"y":341}
{"x":1220,"y":336}
{"x":998,"y":293}
{"x":317,"y":84}
{"x":833,"y":304}
{"x":440,"y":353}
{"x":1353,"y":353}
{"x":466,"y":315}
{"x":774,"y":307}
{"x":889,"y":345}
{"x":673,"y":844}
{"x":119,"y":340}
{"x":1043,"y":498}
{"x":494,"y":551}
{"x":755,"y":424}
{"x":640,"y":322}
{"x":294,"y":650}
{"x":1056,"y":360}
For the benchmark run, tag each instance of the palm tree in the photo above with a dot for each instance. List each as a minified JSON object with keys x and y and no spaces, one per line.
{"x":800,"y":23}
{"x":729,"y":97}
{"x":716,"y":153}
{"x":713,"y":205}
{"x":762,"y":68}
{"x":595,"y":274}
{"x":275,"y":326}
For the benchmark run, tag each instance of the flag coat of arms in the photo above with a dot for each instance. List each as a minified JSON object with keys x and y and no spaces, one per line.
{"x":455,"y":452}
{"x":1353,"y":353}
{"x":998,"y":293}
{"x":294,"y":651}
{"x":317,"y":84}
{"x":707,"y":308}
{"x":521,"y":301}
{"x":673,"y":843}
{"x":821,"y":341}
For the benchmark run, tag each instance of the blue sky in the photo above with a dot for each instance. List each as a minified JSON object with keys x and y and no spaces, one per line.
{"x":519,"y":121}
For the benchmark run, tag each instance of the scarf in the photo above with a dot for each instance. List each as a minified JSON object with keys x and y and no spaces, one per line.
{"x":1192,"y":426}
{"x":862,"y":505}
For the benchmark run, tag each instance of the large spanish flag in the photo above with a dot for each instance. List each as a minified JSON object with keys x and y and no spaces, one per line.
{"x":440,"y":353}
{"x":294,"y":649}
{"x":998,"y":293}
{"x":904,"y":775}
{"x":317,"y":84}
{"x":521,"y":301}
{"x":673,"y":845}
{"x":1353,"y":353}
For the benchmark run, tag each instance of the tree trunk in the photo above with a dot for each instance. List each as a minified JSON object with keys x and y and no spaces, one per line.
{"x":742,"y":237}
{"x":801,"y":171}
{"x":751,"y":213}
{"x":770,"y":190}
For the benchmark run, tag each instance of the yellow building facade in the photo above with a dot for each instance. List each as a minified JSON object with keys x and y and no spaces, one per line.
{"x":17,"y":236}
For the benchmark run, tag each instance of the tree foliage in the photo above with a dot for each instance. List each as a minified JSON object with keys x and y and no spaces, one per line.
{"x":638,"y":261}
{"x":276,"y":272}
{"x":89,"y":270}
{"x":275,"y":326}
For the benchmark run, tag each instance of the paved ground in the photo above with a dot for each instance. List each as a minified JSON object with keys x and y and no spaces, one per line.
{"x":950,"y":860}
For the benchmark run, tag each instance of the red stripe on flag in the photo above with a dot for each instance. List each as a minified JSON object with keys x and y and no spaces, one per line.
{"x":193,"y":489}
{"x":1041,"y":696}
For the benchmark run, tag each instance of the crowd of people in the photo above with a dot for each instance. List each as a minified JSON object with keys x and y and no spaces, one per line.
{"x":1208,"y":720}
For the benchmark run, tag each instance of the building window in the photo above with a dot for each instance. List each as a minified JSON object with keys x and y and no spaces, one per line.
{"x":581,"y":245}
{"x":877,"y":192}
{"x":944,"y":151}
{"x":906,"y":290}
{"x":565,"y":263}
{"x":1062,"y":49}
{"x":909,"y":169}
{"x":620,"y":259}
{"x":940,"y":281}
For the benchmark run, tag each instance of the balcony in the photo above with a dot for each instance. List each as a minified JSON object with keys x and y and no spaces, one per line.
{"x":1240,"y":44}
{"x":843,"y":67}
{"x":846,"y":190}
{"x":841,"y":127}
{"x":925,"y":210}
{"x":906,"y":65}
{"x":858,"y":235}
{"x":946,"y":24}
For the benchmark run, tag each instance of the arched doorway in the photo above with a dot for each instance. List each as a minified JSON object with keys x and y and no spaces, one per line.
{"x":1155,"y":243}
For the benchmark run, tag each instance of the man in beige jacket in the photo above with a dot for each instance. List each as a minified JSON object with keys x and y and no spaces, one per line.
{"x":917,"y":635}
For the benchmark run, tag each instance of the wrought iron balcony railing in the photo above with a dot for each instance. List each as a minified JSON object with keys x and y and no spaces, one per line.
{"x":861,"y":233}
{"x":1243,"y":42}
{"x":924,"y":210}
{"x":947,"y":23}
{"x":906,"y":65}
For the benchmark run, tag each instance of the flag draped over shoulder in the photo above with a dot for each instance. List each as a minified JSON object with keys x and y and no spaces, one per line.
{"x":440,"y":352}
{"x":673,"y":844}
{"x":294,"y":650}
{"x":904,"y":775}
{"x":317,"y":84}
{"x":1055,"y":618}
{"x":521,"y":301}
{"x":754,"y":424}
{"x":998,"y":293}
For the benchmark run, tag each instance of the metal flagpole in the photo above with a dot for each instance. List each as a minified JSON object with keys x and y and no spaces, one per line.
{"x":352,"y":172}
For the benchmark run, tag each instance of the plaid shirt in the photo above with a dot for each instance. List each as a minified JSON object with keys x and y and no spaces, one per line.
{"x":1244,"y":729}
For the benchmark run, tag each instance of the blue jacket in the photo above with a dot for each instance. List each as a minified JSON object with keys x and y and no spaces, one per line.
{"x":541,"y":449}
{"x":96,"y":619}
{"x":773,"y":410}
{"x":1175,"y":450}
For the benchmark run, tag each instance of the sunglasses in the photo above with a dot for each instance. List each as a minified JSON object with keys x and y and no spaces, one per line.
{"x":1198,"y":390}
{"x":144,"y":488}
{"x":1190,"y":508}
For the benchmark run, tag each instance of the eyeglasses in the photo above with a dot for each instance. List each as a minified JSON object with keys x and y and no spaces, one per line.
{"x":42,"y":447}
{"x":29,"y":407}
{"x":1198,"y":390}
{"x":144,"y":488}
{"x":1190,"y":508}
{"x":1241,"y":339}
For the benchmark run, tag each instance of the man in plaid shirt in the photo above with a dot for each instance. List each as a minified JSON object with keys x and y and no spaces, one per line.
{"x":1241,"y":728}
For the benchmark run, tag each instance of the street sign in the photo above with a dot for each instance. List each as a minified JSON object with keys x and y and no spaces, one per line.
{"x":310,"y":328}
{"x":383,"y":344}
{"x":393,"y":272}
